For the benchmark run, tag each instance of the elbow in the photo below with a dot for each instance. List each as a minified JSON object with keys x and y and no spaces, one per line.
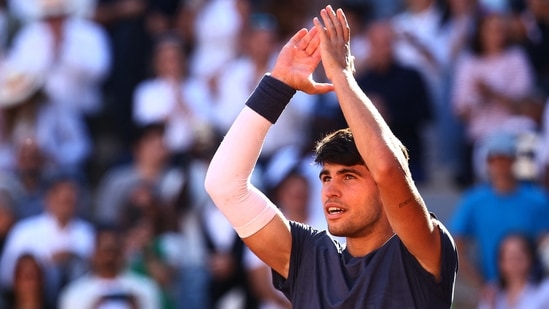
{"x":223,"y":189}
{"x":212,"y":183}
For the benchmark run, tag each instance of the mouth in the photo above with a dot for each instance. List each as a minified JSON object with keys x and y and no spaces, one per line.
{"x":335,"y":210}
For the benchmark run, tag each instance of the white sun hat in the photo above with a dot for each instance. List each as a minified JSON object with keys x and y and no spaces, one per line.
{"x":54,"y":8}
{"x":17,"y":85}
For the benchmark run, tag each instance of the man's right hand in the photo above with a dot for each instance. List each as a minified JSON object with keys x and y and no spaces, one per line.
{"x":297,"y":61}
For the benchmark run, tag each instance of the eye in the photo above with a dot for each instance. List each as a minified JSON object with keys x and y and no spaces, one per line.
{"x":325,"y":179}
{"x":349,"y":176}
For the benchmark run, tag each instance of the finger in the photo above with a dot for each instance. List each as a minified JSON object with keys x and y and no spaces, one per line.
{"x":305,"y":42}
{"x":314,"y":42}
{"x":320,"y":27}
{"x":296,"y":38}
{"x":345,"y":25}
{"x":328,"y":25}
{"x":321,"y":88}
{"x":335,"y":21}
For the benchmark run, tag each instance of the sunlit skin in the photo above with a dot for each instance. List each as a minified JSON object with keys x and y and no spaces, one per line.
{"x":358,"y":211}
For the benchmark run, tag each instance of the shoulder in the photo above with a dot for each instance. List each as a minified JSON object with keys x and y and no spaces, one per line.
{"x":29,"y":225}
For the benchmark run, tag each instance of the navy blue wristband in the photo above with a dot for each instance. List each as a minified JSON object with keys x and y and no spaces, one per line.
{"x":270,"y":97}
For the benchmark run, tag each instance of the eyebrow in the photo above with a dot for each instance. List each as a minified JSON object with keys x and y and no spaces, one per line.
{"x":346,"y":170}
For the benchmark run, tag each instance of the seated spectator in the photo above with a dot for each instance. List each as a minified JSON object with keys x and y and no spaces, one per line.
{"x":518,"y":285}
{"x":150,"y":240}
{"x":29,"y":285}
{"x":26,"y":112}
{"x":172,"y":97}
{"x":108,"y":284}
{"x":57,"y":238}
{"x":399,"y":92}
{"x":491,"y":210}
{"x":74,"y":55}
{"x":26,"y":180}
{"x":489,"y":85}
{"x":149,"y":164}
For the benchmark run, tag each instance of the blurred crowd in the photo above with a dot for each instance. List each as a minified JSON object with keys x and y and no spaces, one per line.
{"x":111,"y":109}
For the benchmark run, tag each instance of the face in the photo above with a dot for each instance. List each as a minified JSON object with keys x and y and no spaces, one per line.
{"x":152,"y":148}
{"x":293,"y":194}
{"x":514,"y":260}
{"x":500,"y":166}
{"x":62,"y":200}
{"x":494,"y":33}
{"x":108,"y":252}
{"x":381,"y":37}
{"x":169,"y":61}
{"x":351,"y":200}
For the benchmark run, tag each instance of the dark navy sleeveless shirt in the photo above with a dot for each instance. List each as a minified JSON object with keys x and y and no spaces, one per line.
{"x":324,"y":275}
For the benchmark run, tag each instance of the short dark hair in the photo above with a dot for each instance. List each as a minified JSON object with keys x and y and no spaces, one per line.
{"x":338,"y":147}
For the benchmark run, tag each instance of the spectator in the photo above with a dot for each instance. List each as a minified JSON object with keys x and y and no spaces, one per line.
{"x":488,"y":85}
{"x":147,"y":241}
{"x":491,"y":210}
{"x":456,"y":27}
{"x":519,"y":283}
{"x":58,"y":238}
{"x":108,"y":283}
{"x":26,"y":181}
{"x":172,"y":97}
{"x":150,"y":164}
{"x":533,"y":24}
{"x":27,"y":113}
{"x":74,"y":56}
{"x":400,"y":93}
{"x":29,"y":285}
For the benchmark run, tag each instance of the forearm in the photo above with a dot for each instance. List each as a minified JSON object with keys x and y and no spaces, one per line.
{"x":375,"y":141}
{"x":228,"y":177}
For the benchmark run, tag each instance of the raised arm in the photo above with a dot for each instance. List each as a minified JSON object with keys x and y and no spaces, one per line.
{"x":378,"y":146}
{"x":258,"y":222}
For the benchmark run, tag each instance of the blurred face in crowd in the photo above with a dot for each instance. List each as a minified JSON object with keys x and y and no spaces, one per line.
{"x":108,"y":258}
{"x":261,"y":44}
{"x":61,"y":200}
{"x":500,"y":166}
{"x":293,"y":195}
{"x":169,"y":60}
{"x":494,"y":33}
{"x":381,"y":37}
{"x":152,"y":148}
{"x":29,"y":157}
{"x":515,"y":259}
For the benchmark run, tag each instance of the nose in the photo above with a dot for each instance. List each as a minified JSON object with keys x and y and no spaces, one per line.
{"x":331,"y":189}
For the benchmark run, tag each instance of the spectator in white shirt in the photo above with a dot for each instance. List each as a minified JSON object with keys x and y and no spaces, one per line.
{"x":59,"y":240}
{"x":108,"y":285}
{"x":73,"y":55}
{"x":181,"y":102}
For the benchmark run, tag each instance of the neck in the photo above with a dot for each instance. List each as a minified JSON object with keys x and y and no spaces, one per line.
{"x":505,"y":185}
{"x":362,"y":246}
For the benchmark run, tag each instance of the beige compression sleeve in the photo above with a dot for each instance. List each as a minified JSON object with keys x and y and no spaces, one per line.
{"x":228,"y":177}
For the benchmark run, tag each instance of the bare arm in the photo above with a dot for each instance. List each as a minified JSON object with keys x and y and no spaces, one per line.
{"x":263,"y":228}
{"x":379,"y":148}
